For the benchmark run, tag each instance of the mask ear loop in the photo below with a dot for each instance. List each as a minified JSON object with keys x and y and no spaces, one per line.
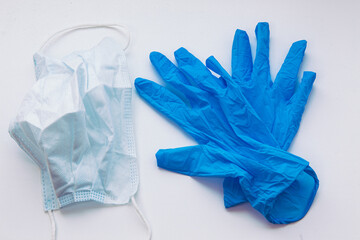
{"x":117,"y":27}
{"x":53,"y":225}
{"x":138,"y":211}
{"x":142,"y":216}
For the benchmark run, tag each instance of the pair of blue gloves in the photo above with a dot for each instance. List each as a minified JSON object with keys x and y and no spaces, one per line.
{"x":243,"y":123}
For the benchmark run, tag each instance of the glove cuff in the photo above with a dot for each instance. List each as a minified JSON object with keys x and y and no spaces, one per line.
{"x":294,"y":202}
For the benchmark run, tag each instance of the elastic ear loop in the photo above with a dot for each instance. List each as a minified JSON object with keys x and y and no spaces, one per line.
{"x":116,"y":27}
{"x":53,"y":224}
{"x":138,"y":211}
{"x":142,"y":216}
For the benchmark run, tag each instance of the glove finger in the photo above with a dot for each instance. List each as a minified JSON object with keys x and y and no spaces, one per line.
{"x":168,"y":104}
{"x":172,"y":75}
{"x":193,"y":161}
{"x":304,"y":89}
{"x":286,"y":79}
{"x":261,"y":68}
{"x":167,"y":70}
{"x":233,"y":193}
{"x":241,"y":62}
{"x":195,"y":70}
{"x":297,"y":103}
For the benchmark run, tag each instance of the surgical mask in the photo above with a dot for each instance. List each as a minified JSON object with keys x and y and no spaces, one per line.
{"x":76,"y":124}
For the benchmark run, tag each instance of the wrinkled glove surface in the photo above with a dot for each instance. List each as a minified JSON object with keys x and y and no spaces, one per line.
{"x":280,"y":104}
{"x":230,"y":134}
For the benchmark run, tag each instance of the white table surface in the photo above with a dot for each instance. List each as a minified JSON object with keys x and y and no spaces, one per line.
{"x":178,"y":206}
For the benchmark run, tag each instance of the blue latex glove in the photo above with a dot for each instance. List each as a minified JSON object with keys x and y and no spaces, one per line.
{"x":280,"y":104}
{"x":213,"y":111}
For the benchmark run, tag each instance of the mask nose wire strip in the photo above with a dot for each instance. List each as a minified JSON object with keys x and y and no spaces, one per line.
{"x":53,"y":225}
{"x":120,"y":28}
{"x":143,"y":218}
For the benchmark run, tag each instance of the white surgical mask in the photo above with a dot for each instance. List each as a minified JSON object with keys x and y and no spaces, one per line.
{"x":76,"y":124}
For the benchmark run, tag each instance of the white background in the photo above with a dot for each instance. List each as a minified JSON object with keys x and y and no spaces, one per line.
{"x":181,"y":207}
